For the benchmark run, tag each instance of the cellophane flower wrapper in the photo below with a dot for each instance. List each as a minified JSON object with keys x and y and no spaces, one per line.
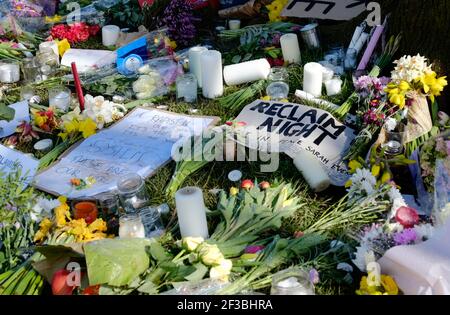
{"x":441,"y":210}
{"x":419,"y":119}
{"x":202,"y":287}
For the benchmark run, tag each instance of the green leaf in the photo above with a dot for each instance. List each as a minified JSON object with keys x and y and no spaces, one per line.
{"x":247,"y":57}
{"x":200,"y":271}
{"x":148,"y":287}
{"x":6,"y":113}
{"x":158,"y":252}
{"x":236,"y":59}
{"x":272,"y":53}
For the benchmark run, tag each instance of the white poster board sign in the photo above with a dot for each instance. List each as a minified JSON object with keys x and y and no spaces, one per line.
{"x":140,"y":143}
{"x":11,"y":160}
{"x":299,"y":127}
{"x":327,"y":9}
{"x":21,"y":114}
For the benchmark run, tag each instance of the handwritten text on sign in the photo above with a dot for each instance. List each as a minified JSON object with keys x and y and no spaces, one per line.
{"x":327,"y":9}
{"x":140,"y":143}
{"x":12,"y":160}
{"x":300,"y":127}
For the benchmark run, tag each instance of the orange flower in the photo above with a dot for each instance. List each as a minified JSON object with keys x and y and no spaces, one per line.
{"x":75,"y":181}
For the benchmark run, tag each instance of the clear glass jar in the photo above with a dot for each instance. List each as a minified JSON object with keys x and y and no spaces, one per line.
{"x":26,"y":93}
{"x":393,"y":143}
{"x":151,"y":218}
{"x":292,"y":281}
{"x":350,"y":59}
{"x":132,"y":193}
{"x":30,"y":70}
{"x":278,"y":87}
{"x":48,"y":63}
{"x":187,"y":88}
{"x":109,"y":204}
{"x":59,"y":97}
{"x":130,"y":226}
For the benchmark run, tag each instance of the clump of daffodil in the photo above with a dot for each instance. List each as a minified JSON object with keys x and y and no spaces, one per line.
{"x":62,"y":223}
{"x":431,"y":84}
{"x":384,"y":286}
{"x":275,"y":9}
{"x":77,"y":126}
{"x":397,"y":93}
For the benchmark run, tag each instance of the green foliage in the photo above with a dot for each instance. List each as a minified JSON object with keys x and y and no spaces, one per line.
{"x":126,"y":13}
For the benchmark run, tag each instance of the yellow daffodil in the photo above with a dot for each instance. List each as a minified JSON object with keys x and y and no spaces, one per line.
{"x":404,"y":86}
{"x":98,"y":225}
{"x":348,"y":183}
{"x":44,"y":227}
{"x":61,"y":214}
{"x":40,"y":120}
{"x":63,"y":46}
{"x":234,"y":191}
{"x":265,"y":98}
{"x":389,"y":285}
{"x":353,"y":165}
{"x":87,"y":127}
{"x":398,"y":99}
{"x":376,"y":170}
{"x":62,"y":199}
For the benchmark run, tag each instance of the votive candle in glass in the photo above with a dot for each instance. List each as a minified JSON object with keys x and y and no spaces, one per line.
{"x":59,"y":97}
{"x":110,"y":35}
{"x":130,"y":226}
{"x":187,"y":88}
{"x":132,"y":192}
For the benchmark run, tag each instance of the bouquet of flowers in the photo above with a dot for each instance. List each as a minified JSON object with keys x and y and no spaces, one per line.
{"x":437,"y":148}
{"x":74,"y":33}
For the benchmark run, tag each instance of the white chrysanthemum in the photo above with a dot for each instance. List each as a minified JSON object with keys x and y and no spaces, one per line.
{"x":390,"y":124}
{"x":363,"y":175}
{"x":374,"y":233}
{"x":423,"y":231}
{"x":43,"y":205}
{"x":360,"y":257}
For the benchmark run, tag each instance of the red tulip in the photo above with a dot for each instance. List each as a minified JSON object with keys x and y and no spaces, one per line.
{"x":407,"y":217}
{"x":247,"y":184}
{"x":229,"y":123}
{"x":59,"y":283}
{"x":264,"y":185}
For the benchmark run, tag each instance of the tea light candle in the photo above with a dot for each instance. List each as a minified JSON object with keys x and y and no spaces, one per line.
{"x":44,"y":145}
{"x":195,"y":64}
{"x":212,"y":78}
{"x":186,"y":85}
{"x":327,"y":74}
{"x":191,"y":212}
{"x":290,"y":48}
{"x":234,"y":24}
{"x":312,"y":78}
{"x":9,"y":73}
{"x":130,"y":226}
{"x":333,"y":86}
{"x":245,"y":72}
{"x":110,"y":34}
{"x":312,"y":171}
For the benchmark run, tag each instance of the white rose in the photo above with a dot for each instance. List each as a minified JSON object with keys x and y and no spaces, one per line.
{"x":221,"y":271}
{"x":210,"y":254}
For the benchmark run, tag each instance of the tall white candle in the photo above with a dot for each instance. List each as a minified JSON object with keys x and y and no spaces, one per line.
{"x":9,"y":73}
{"x":234,"y":24}
{"x":333,"y":86}
{"x":312,"y":171}
{"x":49,"y":46}
{"x":312,"y":78}
{"x":191,"y":212}
{"x":212,"y":79}
{"x":358,"y":31}
{"x":246,"y":72}
{"x":195,"y":65}
{"x":290,"y":48}
{"x":110,"y":35}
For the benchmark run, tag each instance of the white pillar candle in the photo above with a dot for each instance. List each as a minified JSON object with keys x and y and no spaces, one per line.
{"x":312,"y":171}
{"x":333,"y":86}
{"x":312,"y":78}
{"x":191,"y":212}
{"x":290,"y":48}
{"x":245,"y":72}
{"x":49,"y":46}
{"x":234,"y":24}
{"x":195,"y":65}
{"x":110,"y":34}
{"x":212,"y":79}
{"x":360,"y":42}
{"x":9,"y":73}
{"x":327,"y":73}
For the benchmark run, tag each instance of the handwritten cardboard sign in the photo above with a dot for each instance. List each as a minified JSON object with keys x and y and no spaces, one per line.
{"x":299,"y":127}
{"x":11,"y":160}
{"x":326,"y":9}
{"x":140,"y":143}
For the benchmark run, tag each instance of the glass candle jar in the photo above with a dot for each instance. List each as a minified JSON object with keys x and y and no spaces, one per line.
{"x":30,"y":69}
{"x":109,"y":204}
{"x":393,"y":144}
{"x":86,"y":210}
{"x":130,"y":226}
{"x":187,"y":88}
{"x":26,"y":93}
{"x":292,"y":281}
{"x":278,"y":87}
{"x":151,"y":219}
{"x":48,"y":63}
{"x":9,"y":73}
{"x":59,"y":97}
{"x":132,"y":193}
{"x":350,"y":59}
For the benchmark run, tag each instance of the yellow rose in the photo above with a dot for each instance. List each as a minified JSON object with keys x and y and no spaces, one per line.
{"x":222,"y":270}
{"x":210,"y":254}
{"x":234,"y":191}
{"x":191,"y":243}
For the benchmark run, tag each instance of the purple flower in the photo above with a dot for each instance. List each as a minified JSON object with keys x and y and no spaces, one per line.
{"x":253,"y":249}
{"x":406,"y":237}
{"x":314,"y":276}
